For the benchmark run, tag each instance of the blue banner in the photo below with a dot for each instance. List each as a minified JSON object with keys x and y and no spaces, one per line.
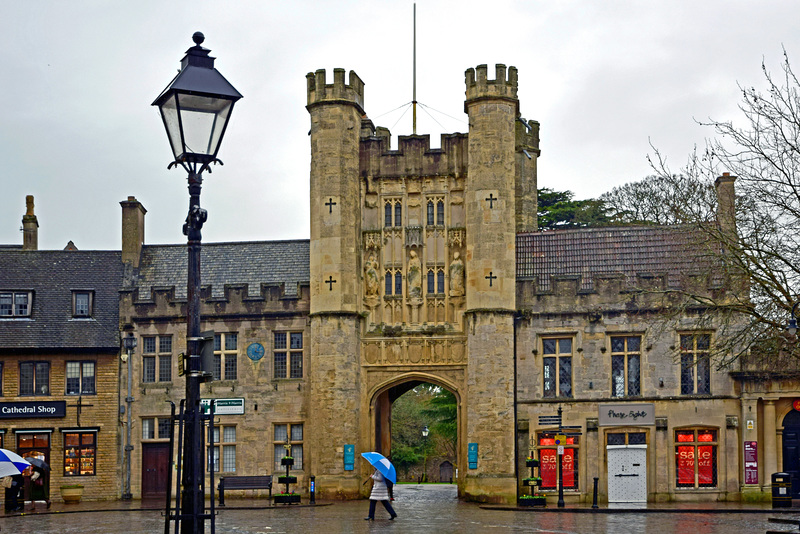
{"x":349,"y":457}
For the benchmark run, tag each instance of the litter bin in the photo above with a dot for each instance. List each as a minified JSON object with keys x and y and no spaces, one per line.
{"x":781,"y":490}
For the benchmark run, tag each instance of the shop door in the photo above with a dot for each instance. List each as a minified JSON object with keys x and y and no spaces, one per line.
{"x":155,"y":463}
{"x":791,"y":450}
{"x":627,"y":473}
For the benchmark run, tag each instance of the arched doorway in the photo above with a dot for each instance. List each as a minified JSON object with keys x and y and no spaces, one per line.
{"x":422,"y":437}
{"x":791,"y":450}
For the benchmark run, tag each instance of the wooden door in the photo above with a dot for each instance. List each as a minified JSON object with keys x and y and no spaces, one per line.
{"x":155,"y":463}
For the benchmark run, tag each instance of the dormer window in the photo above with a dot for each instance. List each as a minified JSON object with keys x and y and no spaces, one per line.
{"x":82,"y":303}
{"x":15,"y":303}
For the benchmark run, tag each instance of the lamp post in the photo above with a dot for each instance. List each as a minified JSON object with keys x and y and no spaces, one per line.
{"x":195,"y":108}
{"x":791,"y":328}
{"x":128,"y":343}
{"x":425,"y":453}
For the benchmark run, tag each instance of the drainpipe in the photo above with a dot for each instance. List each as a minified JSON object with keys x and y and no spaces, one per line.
{"x":129,"y":342}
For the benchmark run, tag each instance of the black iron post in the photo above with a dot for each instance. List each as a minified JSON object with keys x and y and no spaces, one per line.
{"x":312,"y":494}
{"x":193,"y":498}
{"x":594,"y":496}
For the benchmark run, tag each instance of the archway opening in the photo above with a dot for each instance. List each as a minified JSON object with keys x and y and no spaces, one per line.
{"x":417,"y":427}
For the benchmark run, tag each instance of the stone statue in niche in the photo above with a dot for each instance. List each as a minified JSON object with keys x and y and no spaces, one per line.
{"x":456,"y":276}
{"x":414,"y":277}
{"x":371,"y":281}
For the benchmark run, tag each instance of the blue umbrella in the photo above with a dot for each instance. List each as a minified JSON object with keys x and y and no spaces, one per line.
{"x":11,"y":463}
{"x":383,"y":465}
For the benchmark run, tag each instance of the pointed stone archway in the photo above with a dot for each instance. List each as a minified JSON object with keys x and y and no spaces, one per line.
{"x":383,"y":395}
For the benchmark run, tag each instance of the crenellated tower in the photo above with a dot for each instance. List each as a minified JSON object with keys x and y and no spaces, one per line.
{"x":490,"y":208}
{"x":336,"y":110}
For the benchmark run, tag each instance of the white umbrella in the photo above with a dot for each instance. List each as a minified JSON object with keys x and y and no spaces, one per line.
{"x":12,"y":463}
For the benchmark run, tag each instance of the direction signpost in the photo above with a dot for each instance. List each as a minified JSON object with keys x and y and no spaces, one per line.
{"x":563,"y":432}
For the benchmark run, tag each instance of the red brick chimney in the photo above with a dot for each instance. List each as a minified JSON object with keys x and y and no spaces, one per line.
{"x":132,"y":230}
{"x":30,"y":226}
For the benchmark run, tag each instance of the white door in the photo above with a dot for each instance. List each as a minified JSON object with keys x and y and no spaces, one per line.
{"x":627,"y":473}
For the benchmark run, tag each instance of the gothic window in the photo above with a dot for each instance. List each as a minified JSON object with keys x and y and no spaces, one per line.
{"x":440,"y":281}
{"x":557,"y":366}
{"x":695,"y":364}
{"x":398,"y":283}
{"x":430,"y":219}
{"x":696,"y":458}
{"x":156,"y":358}
{"x":625,"y":366}
{"x":440,"y":213}
{"x":288,"y":360}
{"x":398,"y":214}
{"x":225,"y":356}
{"x":388,"y":279}
{"x":430,"y":285}
{"x":387,"y":214}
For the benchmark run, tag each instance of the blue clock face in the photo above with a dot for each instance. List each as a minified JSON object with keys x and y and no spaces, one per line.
{"x":255,"y":351}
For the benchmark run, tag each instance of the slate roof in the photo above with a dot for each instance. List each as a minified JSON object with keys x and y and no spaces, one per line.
{"x":628,"y":250}
{"x":52,"y":275}
{"x":251,"y":263}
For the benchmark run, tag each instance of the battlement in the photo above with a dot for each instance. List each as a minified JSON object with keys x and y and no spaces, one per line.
{"x":527,"y":137}
{"x":478,"y":86}
{"x":318,"y":91}
{"x":414,"y":156}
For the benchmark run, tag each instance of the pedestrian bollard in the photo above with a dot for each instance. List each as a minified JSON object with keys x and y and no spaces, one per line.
{"x":312,"y":498}
{"x":594,"y":496}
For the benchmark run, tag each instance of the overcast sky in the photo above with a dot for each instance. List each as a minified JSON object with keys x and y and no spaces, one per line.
{"x":604,"y":79}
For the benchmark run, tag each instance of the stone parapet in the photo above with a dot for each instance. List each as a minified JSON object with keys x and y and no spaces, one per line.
{"x":319,"y":92}
{"x":414,"y":156}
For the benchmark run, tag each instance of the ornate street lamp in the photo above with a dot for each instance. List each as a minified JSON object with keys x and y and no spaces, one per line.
{"x":791,"y":328}
{"x":128,"y":343}
{"x":195,"y":107}
{"x":425,"y":433}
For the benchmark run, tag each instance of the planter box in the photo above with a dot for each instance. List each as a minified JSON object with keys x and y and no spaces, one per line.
{"x":287,"y":461}
{"x":283,"y":479}
{"x":287,"y":499}
{"x":531,"y":463}
{"x":71,"y":495}
{"x":531,"y":481}
{"x":539,"y":501}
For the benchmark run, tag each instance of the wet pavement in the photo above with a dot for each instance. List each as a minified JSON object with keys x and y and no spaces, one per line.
{"x":422,"y":509}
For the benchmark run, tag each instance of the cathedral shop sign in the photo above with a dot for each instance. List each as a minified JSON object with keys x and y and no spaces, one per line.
{"x":25,"y":410}
{"x":627,"y":414}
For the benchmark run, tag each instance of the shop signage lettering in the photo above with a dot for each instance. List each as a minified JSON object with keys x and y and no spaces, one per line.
{"x":626,"y":414}
{"x":23,"y":410}
{"x":223,"y":406}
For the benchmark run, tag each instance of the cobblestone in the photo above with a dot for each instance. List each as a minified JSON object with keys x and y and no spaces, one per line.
{"x":422,"y":509}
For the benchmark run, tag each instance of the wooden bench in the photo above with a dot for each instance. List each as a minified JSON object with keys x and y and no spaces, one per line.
{"x":243,"y":483}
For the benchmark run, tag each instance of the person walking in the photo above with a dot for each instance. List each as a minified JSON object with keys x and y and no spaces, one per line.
{"x":380,"y":492}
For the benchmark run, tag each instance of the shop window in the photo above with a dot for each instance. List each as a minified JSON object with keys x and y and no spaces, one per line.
{"x":557,"y":367}
{"x":548,"y":461}
{"x":36,"y":444}
{"x":288,"y":438}
{"x":80,"y":453}
{"x":34,"y":378}
{"x":227,"y":447}
{"x":226,"y":355}
{"x":696,"y":458}
{"x":80,"y":378}
{"x":625,"y":365}
{"x":288,"y":360}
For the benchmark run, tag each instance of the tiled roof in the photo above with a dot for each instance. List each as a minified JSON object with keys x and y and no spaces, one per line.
{"x":52,"y":275}
{"x":627,"y":250}
{"x":251,"y":263}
